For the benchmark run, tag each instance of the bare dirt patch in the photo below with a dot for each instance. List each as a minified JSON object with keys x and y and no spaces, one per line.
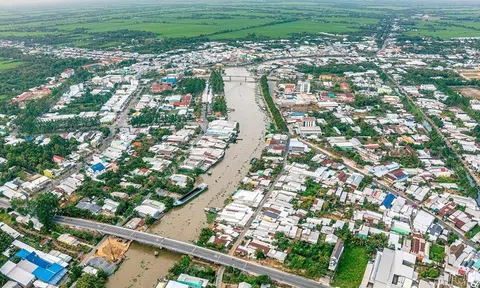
{"x":113,"y":249}
{"x":469,"y":74}
{"x":470,"y":92}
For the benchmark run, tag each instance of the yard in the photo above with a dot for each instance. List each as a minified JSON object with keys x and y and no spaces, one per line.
{"x":351,"y":267}
{"x":437,"y":253}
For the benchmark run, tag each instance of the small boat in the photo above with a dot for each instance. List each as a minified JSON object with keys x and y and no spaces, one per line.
{"x":212,"y":209}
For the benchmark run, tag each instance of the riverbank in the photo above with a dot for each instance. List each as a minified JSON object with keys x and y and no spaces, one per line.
{"x":141,"y":268}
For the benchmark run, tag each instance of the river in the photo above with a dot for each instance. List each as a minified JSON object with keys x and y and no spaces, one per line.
{"x":141,"y":268}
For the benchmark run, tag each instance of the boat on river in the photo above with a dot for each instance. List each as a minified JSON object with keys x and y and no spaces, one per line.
{"x":190,"y":195}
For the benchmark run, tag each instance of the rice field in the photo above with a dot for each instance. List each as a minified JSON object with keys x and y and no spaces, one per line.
{"x":232,"y":20}
{"x":6,"y":64}
{"x":445,"y":29}
{"x":229,"y":21}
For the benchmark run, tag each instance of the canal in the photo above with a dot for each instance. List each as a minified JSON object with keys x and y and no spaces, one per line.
{"x":141,"y":268}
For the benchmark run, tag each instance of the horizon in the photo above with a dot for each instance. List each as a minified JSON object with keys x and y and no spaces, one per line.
{"x":63,"y":3}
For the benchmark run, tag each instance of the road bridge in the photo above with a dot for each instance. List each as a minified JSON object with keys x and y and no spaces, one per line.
{"x":239,"y":78}
{"x":190,"y":249}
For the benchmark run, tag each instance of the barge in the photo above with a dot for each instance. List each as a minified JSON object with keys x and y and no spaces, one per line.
{"x":190,"y":195}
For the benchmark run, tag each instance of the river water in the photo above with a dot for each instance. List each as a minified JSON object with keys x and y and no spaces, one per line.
{"x":142,"y":268}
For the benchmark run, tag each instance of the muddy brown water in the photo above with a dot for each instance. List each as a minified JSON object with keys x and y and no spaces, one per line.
{"x":142,"y":268}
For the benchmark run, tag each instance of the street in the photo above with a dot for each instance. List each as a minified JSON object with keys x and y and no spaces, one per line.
{"x":190,"y":249}
{"x":351,"y":165}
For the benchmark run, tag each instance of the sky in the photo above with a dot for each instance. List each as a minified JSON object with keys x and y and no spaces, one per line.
{"x":39,"y":3}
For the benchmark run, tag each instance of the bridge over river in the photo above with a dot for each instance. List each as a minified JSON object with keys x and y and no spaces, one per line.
{"x":190,"y":249}
{"x":239,"y":78}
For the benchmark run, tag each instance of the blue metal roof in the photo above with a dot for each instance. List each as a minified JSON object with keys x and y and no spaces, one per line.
{"x":43,"y":274}
{"x":98,"y":167}
{"x":35,"y":259}
{"x":297,"y":113}
{"x":22,"y":254}
{"x":387,"y":202}
{"x":46,"y":271}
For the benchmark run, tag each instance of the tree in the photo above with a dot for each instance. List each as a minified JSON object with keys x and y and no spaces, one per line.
{"x":90,"y":281}
{"x":75,"y":272}
{"x":277,"y":116}
{"x":431,"y":273}
{"x":46,"y":208}
{"x":263,"y":279}
{"x":216,"y":82}
{"x":259,"y":254}
{"x":5,"y":241}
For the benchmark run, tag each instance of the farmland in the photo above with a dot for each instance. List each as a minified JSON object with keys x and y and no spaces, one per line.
{"x":92,"y":26}
{"x":444,"y":29}
{"x":80,"y":27}
{"x":6,"y":64}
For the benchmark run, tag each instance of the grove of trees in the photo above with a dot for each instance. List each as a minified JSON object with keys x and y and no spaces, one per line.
{"x":277,"y":116}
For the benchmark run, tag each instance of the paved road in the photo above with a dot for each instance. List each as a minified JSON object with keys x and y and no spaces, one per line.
{"x":190,"y":249}
{"x":351,"y":165}
{"x":249,"y":223}
{"x":465,"y":164}
{"x":120,"y":121}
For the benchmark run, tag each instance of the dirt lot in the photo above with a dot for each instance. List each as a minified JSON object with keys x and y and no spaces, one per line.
{"x":470,"y":92}
{"x":305,"y":108}
{"x":113,"y":249}
{"x":469,"y":74}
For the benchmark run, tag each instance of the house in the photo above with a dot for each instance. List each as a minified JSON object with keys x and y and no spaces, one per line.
{"x":248,"y":198}
{"x":67,"y":73}
{"x":159,"y":88}
{"x":58,"y":159}
{"x":387,"y":202}
{"x":392,"y":268}
{"x":396,"y":175}
{"x":175,"y":284}
{"x":192,"y":281}
{"x":134,"y":223}
{"x":244,"y":285}
{"x":86,"y":204}
{"x":336,"y":254}
{"x":96,"y":169}
{"x":34,"y":265}
{"x":150,"y":208}
{"x":22,"y":277}
{"x":422,"y":221}
{"x":110,"y":206}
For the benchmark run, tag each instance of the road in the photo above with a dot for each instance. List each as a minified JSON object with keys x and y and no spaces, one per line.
{"x":469,"y":169}
{"x":190,"y":249}
{"x":351,"y":165}
{"x":121,"y":121}
{"x":384,"y":37}
{"x":249,"y":222}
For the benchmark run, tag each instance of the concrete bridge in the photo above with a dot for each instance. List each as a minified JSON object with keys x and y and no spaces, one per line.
{"x":248,"y":78}
{"x":190,"y":249}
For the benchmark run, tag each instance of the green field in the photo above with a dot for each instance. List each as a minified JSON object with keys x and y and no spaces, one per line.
{"x":88,"y":26}
{"x":445,"y":29}
{"x":286,"y":29}
{"x":217,"y":21}
{"x":6,"y":64}
{"x":351,"y":267}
